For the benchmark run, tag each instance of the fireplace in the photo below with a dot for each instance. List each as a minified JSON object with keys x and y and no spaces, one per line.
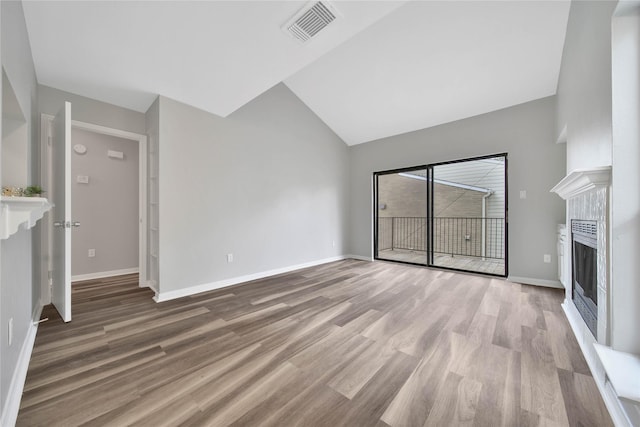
{"x":584,"y":266}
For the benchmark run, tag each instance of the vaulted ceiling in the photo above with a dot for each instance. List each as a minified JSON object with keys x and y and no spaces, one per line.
{"x":380,"y":69}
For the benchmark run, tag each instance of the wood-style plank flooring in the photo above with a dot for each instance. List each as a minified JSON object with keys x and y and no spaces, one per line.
{"x":349,"y":343}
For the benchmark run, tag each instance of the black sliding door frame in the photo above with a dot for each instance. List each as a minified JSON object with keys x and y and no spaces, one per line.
{"x":376,"y":217}
{"x":430,"y":194}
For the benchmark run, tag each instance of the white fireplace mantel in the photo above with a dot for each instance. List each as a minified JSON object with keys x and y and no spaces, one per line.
{"x":582,"y":180}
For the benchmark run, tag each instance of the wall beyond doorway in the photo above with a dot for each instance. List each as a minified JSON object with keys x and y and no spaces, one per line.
{"x":106,"y":206}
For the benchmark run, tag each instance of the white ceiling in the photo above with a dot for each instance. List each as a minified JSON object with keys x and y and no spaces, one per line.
{"x":383,"y":68}
{"x":432,"y":62}
{"x":214,"y":55}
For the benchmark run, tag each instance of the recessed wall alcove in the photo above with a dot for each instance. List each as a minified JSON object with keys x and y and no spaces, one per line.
{"x":15,"y":139}
{"x":15,"y":152}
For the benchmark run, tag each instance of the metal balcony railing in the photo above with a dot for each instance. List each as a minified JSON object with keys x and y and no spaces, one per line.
{"x":475,"y":237}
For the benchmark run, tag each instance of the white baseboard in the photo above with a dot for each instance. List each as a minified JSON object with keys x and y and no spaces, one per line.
{"x":536,"y":282}
{"x":14,"y":393}
{"x":151,"y":284}
{"x":205,"y":287}
{"x":101,"y":274}
{"x":585,"y":341}
{"x":359,"y":257}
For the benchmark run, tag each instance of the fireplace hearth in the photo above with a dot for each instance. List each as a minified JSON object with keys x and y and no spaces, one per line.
{"x":584,"y":267}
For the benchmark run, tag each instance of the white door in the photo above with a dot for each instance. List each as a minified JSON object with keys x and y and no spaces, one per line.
{"x":61,"y":171}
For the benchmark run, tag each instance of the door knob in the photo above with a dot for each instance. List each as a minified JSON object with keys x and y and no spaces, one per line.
{"x":66,"y":224}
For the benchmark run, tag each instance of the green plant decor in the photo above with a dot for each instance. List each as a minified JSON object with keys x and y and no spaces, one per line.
{"x":33,"y":191}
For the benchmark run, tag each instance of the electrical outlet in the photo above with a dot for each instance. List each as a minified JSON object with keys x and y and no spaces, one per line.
{"x":523,"y":194}
{"x":92,"y":253}
{"x":10,"y":332}
{"x":334,"y":243}
{"x":229,"y":257}
{"x":547,"y":258}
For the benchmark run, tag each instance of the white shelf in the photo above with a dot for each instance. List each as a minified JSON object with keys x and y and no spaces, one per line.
{"x":623,"y":370}
{"x":20,"y":211}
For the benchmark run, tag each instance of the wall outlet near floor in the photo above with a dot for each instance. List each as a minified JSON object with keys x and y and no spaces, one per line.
{"x":229,"y":257}
{"x":547,"y":258}
{"x":523,"y":194}
{"x":92,"y":253}
{"x":333,"y":243}
{"x":10,"y":332}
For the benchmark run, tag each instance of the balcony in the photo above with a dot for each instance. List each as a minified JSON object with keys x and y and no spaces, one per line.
{"x":472,"y":244}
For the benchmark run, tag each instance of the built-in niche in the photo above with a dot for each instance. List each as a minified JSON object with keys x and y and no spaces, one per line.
{"x":16,"y":212}
{"x":15,"y":139}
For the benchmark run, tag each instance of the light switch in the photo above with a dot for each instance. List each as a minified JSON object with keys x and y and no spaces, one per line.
{"x":523,"y":194}
{"x":82,"y":179}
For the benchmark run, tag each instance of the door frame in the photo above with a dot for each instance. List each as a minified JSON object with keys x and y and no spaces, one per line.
{"x":430,"y":201}
{"x":505,"y":155}
{"x":46,"y":121}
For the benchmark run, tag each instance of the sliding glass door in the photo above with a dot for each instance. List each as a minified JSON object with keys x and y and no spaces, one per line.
{"x":469,"y":215}
{"x":450,"y":215}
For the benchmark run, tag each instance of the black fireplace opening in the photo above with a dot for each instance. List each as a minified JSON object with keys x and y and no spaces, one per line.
{"x":584,"y":263}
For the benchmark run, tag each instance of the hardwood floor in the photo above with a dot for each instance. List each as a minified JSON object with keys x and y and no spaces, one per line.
{"x":349,"y":343}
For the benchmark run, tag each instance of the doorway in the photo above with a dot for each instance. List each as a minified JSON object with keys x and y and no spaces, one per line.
{"x":116,"y":148}
{"x":450,"y":215}
{"x":104,"y":199}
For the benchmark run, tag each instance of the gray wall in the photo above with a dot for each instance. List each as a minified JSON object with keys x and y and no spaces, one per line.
{"x":107,"y":207}
{"x":526,"y":132}
{"x":268,"y":184}
{"x":15,"y":295}
{"x":19,"y":293}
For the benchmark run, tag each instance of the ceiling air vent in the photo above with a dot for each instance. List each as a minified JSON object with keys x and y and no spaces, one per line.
{"x":310,"y":20}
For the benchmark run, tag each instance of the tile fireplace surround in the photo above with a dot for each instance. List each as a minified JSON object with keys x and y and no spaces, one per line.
{"x":592,"y":205}
{"x":587,"y":193}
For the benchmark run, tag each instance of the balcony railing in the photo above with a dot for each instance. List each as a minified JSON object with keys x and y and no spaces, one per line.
{"x":476,"y":237}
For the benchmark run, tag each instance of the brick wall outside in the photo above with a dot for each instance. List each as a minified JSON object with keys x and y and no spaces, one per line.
{"x":405,"y":200}
{"x":406,"y":197}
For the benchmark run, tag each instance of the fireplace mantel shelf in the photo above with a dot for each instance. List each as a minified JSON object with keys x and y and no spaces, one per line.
{"x":582,"y":180}
{"x":623,"y":370}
